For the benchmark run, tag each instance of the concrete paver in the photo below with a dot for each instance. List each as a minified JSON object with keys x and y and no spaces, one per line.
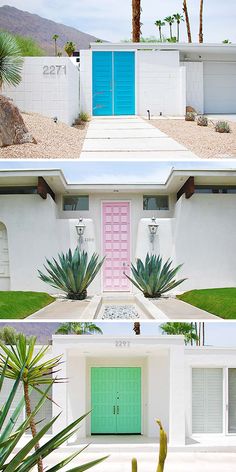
{"x":175,"y":309}
{"x":130,"y":138}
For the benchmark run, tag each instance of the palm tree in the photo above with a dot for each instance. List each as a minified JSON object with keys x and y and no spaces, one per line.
{"x":170,"y":21}
{"x":178,"y":18}
{"x":137,"y":328}
{"x":136,"y":24}
{"x":55,"y":38}
{"x":185,"y":329}
{"x":201,"y":22}
{"x":79,"y":328}
{"x":36,"y":372}
{"x":160,"y":24}
{"x":11,"y":62}
{"x":69,"y":48}
{"x":185,"y":9}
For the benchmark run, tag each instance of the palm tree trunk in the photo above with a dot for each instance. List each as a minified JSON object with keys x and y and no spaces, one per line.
{"x":185,"y":9}
{"x":177,"y":32}
{"x":32,"y":423}
{"x":203,"y":333}
{"x":201,"y":23}
{"x":170,"y":31}
{"x":137,"y":328}
{"x":55,"y":47}
{"x":136,"y":25}
{"x":160,"y":33}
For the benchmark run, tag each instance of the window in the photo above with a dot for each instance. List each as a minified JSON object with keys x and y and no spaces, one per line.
{"x":17,"y":190}
{"x":155,"y":202}
{"x":76,"y":203}
{"x":215,"y":189}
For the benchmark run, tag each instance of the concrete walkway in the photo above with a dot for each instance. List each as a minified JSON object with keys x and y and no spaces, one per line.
{"x":175,"y":309}
{"x":130,"y":138}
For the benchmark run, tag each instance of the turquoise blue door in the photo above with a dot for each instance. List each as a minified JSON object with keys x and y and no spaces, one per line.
{"x":113,"y":83}
{"x":124,"y":83}
{"x":116,"y":400}
{"x":102,"y":83}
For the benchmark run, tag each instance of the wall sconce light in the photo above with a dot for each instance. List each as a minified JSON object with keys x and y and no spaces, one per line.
{"x":153,"y":226}
{"x":80,"y":228}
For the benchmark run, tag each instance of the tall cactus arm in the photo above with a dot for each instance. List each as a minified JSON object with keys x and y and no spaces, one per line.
{"x":134,"y":465}
{"x":162,"y":448}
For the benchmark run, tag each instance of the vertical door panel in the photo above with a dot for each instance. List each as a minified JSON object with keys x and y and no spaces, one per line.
{"x":207,"y":400}
{"x":129,"y":400}
{"x":124,"y":83}
{"x":102,"y":83}
{"x":116,"y":246}
{"x":232,"y":401}
{"x":103,"y":400}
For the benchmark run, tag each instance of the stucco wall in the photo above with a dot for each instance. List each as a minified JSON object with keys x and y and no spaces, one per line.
{"x":204,"y":240}
{"x":49,"y":86}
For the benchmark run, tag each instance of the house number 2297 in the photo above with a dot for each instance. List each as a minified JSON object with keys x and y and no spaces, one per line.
{"x":122,"y":344}
{"x":54,"y":70}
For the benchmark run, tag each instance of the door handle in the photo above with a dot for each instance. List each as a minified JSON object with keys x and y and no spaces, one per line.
{"x":118,"y":410}
{"x":114,"y":410}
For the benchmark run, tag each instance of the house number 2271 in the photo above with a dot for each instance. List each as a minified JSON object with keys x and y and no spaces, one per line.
{"x":54,"y":70}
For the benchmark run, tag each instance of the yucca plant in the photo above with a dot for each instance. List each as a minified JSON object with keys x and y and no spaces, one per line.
{"x":25,"y":459}
{"x":73,"y":273}
{"x":11,"y":61}
{"x":153,"y":277}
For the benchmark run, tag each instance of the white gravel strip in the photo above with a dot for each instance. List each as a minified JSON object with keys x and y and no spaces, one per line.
{"x":53,"y":140}
{"x":203,"y":141}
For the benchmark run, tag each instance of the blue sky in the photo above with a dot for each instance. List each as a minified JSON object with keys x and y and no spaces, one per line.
{"x":219,"y":333}
{"x":111,"y":20}
{"x":115,"y":172}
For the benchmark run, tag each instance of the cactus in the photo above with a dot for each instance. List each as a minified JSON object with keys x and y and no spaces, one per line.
{"x":222,"y":127}
{"x":190,"y":116}
{"x":134,"y":465}
{"x":202,"y":120}
{"x":162,"y":449}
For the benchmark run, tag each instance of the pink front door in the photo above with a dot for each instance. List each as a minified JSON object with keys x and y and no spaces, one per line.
{"x":116,"y":246}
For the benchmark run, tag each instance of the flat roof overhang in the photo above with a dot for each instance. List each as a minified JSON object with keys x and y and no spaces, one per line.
{"x":214,"y":48}
{"x":56,"y":180}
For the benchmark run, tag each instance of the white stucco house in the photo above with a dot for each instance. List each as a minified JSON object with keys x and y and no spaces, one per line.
{"x":128,"y":382}
{"x":129,"y":79}
{"x":190,"y":217}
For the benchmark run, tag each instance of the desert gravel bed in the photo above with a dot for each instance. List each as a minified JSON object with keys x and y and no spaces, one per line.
{"x":203,"y":141}
{"x":53,"y":140}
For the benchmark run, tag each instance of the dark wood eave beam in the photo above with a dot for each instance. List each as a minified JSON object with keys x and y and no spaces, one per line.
{"x":188,"y":188}
{"x":43,"y":189}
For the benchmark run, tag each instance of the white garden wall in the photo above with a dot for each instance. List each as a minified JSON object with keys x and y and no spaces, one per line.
{"x":194,"y":85}
{"x":49,"y":86}
{"x":204,"y":231}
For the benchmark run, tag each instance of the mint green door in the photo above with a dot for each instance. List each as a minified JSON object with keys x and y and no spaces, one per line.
{"x":116,"y":400}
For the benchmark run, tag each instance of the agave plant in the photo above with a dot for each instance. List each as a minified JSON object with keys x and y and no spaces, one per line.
{"x":11,"y":61}
{"x":73,"y":273}
{"x":25,"y":458}
{"x":153,"y":277}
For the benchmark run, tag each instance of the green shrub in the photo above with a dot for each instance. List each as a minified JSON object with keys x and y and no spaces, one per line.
{"x":222,"y":127}
{"x":73,"y":273}
{"x":153,"y":277}
{"x":202,"y":120}
{"x":84,"y":116}
{"x":28,"y":46}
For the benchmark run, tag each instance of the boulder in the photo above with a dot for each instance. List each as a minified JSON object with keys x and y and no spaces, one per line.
{"x":190,"y":109}
{"x":12,"y":126}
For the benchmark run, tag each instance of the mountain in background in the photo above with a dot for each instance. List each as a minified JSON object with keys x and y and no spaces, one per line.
{"x":41,"y":30}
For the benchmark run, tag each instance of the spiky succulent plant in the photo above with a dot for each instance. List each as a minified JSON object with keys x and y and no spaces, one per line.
{"x":73,"y":273}
{"x":11,"y":61}
{"x":153,"y":277}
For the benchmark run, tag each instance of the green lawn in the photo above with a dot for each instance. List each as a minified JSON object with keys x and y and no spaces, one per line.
{"x":218,"y":301}
{"x":19,"y":305}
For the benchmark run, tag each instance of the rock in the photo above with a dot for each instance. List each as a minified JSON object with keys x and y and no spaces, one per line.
{"x":190,"y":109}
{"x":12,"y":126}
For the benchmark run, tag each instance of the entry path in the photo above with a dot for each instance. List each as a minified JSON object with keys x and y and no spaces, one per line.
{"x":130,"y":138}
